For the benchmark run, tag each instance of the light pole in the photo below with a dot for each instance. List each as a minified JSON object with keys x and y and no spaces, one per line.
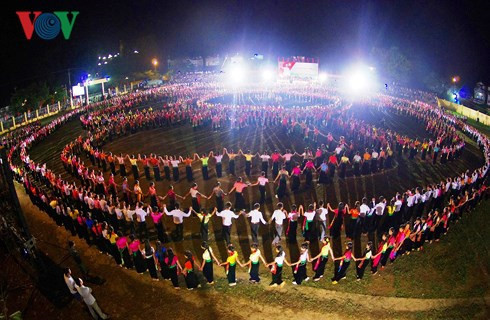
{"x":154,"y":62}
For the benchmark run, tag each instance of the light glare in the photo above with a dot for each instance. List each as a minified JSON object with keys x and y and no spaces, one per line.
{"x":237,"y":74}
{"x":267,"y":75}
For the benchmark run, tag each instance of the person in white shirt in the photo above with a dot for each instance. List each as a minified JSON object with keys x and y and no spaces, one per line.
{"x":363,"y":212}
{"x":178,"y":218}
{"x":370,"y":218}
{"x":309,"y":215}
{"x":379,"y":210}
{"x":265,"y":162}
{"x":90,"y":202}
{"x":410,"y":204}
{"x":141,"y":218}
{"x":227,"y":215}
{"x":322,"y":214}
{"x":128,"y":216}
{"x":88,"y":298}
{"x":70,"y":283}
{"x":219,"y":166}
{"x":287,"y":160}
{"x":279,"y":215}
{"x":256,"y":217}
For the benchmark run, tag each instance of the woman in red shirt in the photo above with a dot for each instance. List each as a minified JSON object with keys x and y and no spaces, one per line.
{"x":172,"y":196}
{"x":189,"y":274}
{"x":332,"y":164}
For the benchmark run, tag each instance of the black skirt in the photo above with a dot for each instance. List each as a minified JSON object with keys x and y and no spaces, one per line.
{"x":254,"y":272}
{"x":136,"y":174}
{"x":323,"y":179}
{"x":231,"y":274}
{"x":231,"y":167}
{"x":191,"y":280}
{"x":281,"y":189}
{"x":188,"y":172}
{"x":176,"y":173}
{"x":150,"y":265}
{"x":208,"y":271}
{"x":295,"y":183}
{"x":219,"y":169}
{"x":139,"y":262}
{"x":166,"y":171}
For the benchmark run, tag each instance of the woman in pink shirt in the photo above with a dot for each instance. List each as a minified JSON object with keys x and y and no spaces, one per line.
{"x":309,"y":168}
{"x":156,"y":216}
{"x":134,"y":249}
{"x":122,"y":245}
{"x":295,"y":180}
{"x":262,"y":181}
{"x":238,"y":187}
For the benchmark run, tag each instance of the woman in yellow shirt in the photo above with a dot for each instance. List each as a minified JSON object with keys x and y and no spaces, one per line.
{"x":322,"y":258}
{"x":230,"y":265}
{"x":134,"y":166}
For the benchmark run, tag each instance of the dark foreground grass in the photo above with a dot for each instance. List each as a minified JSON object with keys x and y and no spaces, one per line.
{"x":458,"y":266}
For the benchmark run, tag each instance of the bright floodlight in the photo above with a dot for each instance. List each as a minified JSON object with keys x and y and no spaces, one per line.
{"x":237,"y":74}
{"x":322,"y":77}
{"x":358,"y":82}
{"x":267,"y":75}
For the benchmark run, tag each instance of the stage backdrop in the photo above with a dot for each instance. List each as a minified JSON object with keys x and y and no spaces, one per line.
{"x":302,"y":70}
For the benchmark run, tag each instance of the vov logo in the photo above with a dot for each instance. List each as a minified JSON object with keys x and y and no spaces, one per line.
{"x":47,"y":25}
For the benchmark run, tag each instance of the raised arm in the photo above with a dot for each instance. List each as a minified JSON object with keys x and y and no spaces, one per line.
{"x":301,"y":210}
{"x":188,"y":213}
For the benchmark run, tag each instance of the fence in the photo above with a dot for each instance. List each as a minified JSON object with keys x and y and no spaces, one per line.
{"x":465,"y":111}
{"x":14,"y":122}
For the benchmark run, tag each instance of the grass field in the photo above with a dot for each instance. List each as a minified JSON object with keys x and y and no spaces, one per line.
{"x":478,"y":125}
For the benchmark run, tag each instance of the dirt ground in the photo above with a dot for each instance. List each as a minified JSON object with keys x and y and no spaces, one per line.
{"x":127,"y":295}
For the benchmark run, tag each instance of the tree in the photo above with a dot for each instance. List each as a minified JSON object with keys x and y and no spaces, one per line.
{"x":435,"y":83}
{"x":393,"y":64}
{"x":36,"y":95}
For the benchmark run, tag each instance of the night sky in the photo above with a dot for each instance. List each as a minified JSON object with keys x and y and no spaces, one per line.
{"x":448,"y":37}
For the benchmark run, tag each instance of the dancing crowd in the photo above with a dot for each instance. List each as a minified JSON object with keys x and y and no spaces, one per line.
{"x":115,"y":218}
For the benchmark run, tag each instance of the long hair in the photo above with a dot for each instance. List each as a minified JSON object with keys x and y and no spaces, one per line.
{"x":188,"y":256}
{"x":148,"y":247}
{"x":170,"y":255}
{"x":205,"y":246}
{"x":280,"y":250}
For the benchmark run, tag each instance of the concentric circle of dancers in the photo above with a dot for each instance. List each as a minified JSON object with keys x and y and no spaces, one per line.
{"x":94,"y":211}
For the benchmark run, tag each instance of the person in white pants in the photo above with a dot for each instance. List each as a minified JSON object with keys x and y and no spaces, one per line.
{"x":279,"y":215}
{"x":88,"y":298}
